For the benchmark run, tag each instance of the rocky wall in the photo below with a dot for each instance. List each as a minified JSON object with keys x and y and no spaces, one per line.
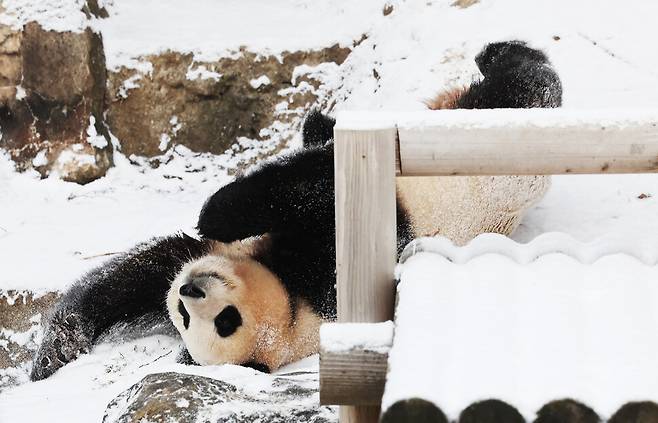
{"x":60,"y":105}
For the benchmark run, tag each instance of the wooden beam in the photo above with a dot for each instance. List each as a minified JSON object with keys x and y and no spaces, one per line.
{"x":364,"y":163}
{"x":354,"y":377}
{"x":528,"y":142}
{"x":353,"y":362}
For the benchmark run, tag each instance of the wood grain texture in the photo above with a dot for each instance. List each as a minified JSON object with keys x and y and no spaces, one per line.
{"x":365,"y":224}
{"x":527,"y":149}
{"x":365,"y":233}
{"x":354,"y":377}
{"x":358,"y":414}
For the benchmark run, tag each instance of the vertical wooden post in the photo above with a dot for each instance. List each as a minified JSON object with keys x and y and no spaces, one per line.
{"x":365,"y":233}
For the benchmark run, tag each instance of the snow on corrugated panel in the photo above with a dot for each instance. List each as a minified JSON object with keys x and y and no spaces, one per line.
{"x":526,"y":324}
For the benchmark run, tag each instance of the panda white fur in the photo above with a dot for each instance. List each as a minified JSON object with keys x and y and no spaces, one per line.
{"x":260,"y":301}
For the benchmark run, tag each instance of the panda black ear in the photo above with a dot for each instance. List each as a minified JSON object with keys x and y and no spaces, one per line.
{"x":318,"y":129}
{"x":259,"y":248}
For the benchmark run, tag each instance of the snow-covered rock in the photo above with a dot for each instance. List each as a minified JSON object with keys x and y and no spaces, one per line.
{"x":214,"y":102}
{"x":178,"y":397}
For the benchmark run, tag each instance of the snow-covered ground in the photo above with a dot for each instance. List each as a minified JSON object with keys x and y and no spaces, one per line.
{"x":81,"y":391}
{"x":52,"y":231}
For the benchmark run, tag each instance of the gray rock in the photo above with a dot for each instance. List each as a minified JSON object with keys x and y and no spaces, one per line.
{"x":175,"y":397}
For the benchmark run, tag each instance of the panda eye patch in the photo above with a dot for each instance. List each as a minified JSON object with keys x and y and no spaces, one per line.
{"x":183,"y":312}
{"x":228,"y":321}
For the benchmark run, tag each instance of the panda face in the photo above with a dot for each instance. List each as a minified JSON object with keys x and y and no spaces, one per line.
{"x":229,"y":310}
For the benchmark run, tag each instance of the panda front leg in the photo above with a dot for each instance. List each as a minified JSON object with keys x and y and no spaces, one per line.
{"x":121,"y":290}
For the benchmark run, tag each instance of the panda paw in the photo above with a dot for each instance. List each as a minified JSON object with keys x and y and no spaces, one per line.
{"x":66,"y":337}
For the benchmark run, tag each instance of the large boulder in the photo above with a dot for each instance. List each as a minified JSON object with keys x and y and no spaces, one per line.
{"x":52,"y":94}
{"x":176,"y":397}
{"x":208,"y":106}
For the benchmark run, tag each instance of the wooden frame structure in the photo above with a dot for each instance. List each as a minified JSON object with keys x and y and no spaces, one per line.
{"x":371,"y":149}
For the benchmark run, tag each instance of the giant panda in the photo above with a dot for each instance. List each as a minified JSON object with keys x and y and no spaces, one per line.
{"x":255,"y":287}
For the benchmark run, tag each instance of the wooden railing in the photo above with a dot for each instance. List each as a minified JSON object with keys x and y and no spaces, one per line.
{"x":371,"y":149}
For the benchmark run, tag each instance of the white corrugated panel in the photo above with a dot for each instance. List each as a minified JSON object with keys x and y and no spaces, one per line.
{"x":526,"y":324}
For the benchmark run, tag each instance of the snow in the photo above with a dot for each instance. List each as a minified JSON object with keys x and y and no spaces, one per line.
{"x":582,"y":119}
{"x":525,"y":324}
{"x":164,"y":142}
{"x":201,"y":72}
{"x":597,"y":207}
{"x":67,"y":228}
{"x":41,"y":159}
{"x":20,"y":92}
{"x":212,"y":30}
{"x":52,"y":231}
{"x":95,"y":379}
{"x":53,"y":15}
{"x":342,"y":337}
{"x":262,"y":80}
{"x":129,"y":84}
{"x":93,"y":137}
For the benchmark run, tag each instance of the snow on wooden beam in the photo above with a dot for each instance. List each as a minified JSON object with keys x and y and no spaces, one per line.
{"x":525,"y":324}
{"x":519,"y":142}
{"x":353,"y":361}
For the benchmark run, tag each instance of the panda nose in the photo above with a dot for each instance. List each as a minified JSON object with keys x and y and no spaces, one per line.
{"x":191,"y":290}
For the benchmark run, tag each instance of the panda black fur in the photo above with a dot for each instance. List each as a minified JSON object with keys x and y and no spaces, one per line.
{"x":515,"y":76}
{"x":289,"y":200}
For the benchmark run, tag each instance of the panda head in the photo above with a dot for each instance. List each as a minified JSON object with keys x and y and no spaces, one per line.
{"x":229,"y":308}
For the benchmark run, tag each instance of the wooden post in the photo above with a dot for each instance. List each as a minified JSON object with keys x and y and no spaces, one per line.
{"x":365,"y":233}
